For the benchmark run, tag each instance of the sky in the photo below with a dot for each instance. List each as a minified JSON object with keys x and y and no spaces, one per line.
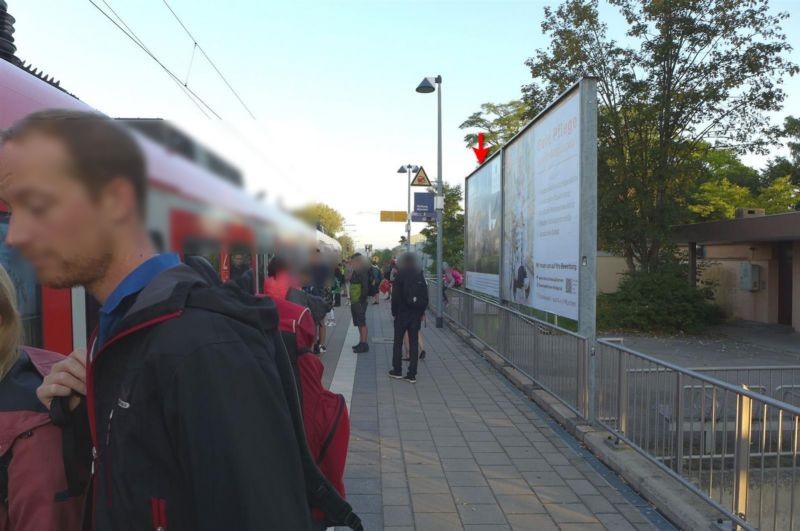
{"x":330,"y":83}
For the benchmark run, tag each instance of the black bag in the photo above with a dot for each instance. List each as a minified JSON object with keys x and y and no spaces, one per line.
{"x":415,"y":291}
{"x":374,"y":285}
{"x":319,"y":491}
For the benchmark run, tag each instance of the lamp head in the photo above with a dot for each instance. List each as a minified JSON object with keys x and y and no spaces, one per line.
{"x":426,"y":86}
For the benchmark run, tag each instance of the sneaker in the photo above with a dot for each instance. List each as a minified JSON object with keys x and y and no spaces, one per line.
{"x":422,"y":355}
{"x":322,"y":349}
{"x":374,"y":303}
{"x":397,"y":375}
{"x":406,"y":358}
{"x":362,"y":347}
{"x":410,"y":379}
{"x":315,"y":349}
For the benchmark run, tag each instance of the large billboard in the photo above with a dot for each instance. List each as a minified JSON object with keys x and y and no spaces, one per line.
{"x":557,"y":209}
{"x":549,"y":210}
{"x":484,"y":204}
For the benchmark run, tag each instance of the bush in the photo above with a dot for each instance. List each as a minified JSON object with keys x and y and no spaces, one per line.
{"x":661,"y":301}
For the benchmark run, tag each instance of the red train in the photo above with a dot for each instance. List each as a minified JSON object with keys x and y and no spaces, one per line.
{"x":191,"y":210}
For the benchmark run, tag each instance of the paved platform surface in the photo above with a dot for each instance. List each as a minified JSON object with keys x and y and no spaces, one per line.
{"x":462,"y":449}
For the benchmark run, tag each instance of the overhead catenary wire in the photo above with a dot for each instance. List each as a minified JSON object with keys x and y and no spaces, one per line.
{"x":210,"y":61}
{"x":193,"y":96}
{"x":199,"y":102}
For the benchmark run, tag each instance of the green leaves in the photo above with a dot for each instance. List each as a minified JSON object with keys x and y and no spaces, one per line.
{"x":452,"y":230}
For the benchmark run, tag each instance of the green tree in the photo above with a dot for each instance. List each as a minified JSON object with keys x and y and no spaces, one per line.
{"x":452,"y":230}
{"x":499,"y":122}
{"x":780,"y":167}
{"x":717,"y":200}
{"x":323,"y":216}
{"x":688,"y":72}
{"x":348,"y":247}
{"x":778,"y":197}
{"x":384,"y":256}
{"x":725,"y":164}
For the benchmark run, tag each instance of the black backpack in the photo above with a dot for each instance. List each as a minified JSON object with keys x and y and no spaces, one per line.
{"x":320,"y":492}
{"x":415,"y":291}
{"x":374,"y":281}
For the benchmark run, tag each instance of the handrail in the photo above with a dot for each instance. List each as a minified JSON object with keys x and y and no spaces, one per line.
{"x":529,"y":318}
{"x":709,"y":379}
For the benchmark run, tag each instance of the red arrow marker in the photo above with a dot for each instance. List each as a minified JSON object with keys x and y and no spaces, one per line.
{"x":480,"y":151}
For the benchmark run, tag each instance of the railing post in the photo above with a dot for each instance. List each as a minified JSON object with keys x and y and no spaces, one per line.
{"x":741,"y":456}
{"x":580,"y":380}
{"x":622,"y":394}
{"x":677,"y":464}
{"x":591,"y":381}
{"x":505,"y":334}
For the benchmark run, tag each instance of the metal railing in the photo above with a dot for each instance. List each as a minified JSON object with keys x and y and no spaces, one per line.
{"x":781,"y":382}
{"x":555,"y":359}
{"x":735,"y":447}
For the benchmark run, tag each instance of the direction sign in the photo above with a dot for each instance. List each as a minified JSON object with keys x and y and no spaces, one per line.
{"x":393,"y":215}
{"x":421,"y":178}
{"x":423,"y":202}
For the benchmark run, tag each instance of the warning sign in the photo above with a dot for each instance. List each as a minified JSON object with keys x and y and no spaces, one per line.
{"x":421,"y":178}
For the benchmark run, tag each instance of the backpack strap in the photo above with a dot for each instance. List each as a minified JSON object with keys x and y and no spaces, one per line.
{"x":5,"y":462}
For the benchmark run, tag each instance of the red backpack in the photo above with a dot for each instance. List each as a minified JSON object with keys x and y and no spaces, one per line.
{"x":325,"y":417}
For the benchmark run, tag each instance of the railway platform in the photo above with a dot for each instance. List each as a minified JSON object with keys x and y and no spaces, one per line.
{"x":462,"y":448}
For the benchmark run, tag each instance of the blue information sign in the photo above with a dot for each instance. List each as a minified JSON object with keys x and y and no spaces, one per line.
{"x":423,"y":202}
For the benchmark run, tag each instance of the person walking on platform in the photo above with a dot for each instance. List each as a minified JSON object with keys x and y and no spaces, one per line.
{"x":409,"y":302}
{"x":178,"y":410}
{"x":34,"y":493}
{"x":359,"y":299}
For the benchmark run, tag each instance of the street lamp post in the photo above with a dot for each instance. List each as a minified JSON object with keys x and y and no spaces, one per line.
{"x":408,"y":168}
{"x":426,"y":86}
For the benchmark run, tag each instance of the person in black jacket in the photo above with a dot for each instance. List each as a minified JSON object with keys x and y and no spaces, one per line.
{"x":407,"y":318}
{"x":177,"y":410}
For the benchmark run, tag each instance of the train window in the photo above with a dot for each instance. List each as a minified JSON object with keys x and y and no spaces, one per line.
{"x":158,"y":240}
{"x":29,"y":293}
{"x":208,"y":249}
{"x":241,"y":265}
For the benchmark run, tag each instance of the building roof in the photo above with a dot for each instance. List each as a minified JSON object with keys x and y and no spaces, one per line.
{"x":777,"y":227}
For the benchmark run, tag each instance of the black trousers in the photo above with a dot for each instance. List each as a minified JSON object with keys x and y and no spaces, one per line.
{"x":406,"y":322}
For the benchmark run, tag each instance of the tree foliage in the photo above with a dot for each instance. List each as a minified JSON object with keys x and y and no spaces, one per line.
{"x":689,"y":72}
{"x":322,"y":216}
{"x":779,"y":197}
{"x":499,"y":122}
{"x":453,"y":230}
{"x":348,"y":247}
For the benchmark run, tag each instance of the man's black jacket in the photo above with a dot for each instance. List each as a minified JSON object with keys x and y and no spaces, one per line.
{"x":399,"y":304}
{"x":188,"y":415}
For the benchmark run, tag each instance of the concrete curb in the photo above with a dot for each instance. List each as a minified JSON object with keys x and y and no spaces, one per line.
{"x":670,"y":497}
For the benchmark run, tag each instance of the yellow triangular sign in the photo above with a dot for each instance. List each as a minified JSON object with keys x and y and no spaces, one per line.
{"x":421,"y":178}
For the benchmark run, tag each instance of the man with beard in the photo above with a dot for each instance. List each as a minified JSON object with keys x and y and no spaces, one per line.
{"x":181,"y":419}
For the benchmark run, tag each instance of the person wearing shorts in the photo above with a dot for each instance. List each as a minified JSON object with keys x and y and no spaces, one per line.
{"x":359,"y":285}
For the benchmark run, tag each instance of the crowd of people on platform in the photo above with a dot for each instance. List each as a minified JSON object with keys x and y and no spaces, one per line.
{"x":199,"y":404}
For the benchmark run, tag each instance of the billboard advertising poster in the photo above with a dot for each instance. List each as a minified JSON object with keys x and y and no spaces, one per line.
{"x":542,"y":212}
{"x":518,"y":221}
{"x":484,"y":204}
